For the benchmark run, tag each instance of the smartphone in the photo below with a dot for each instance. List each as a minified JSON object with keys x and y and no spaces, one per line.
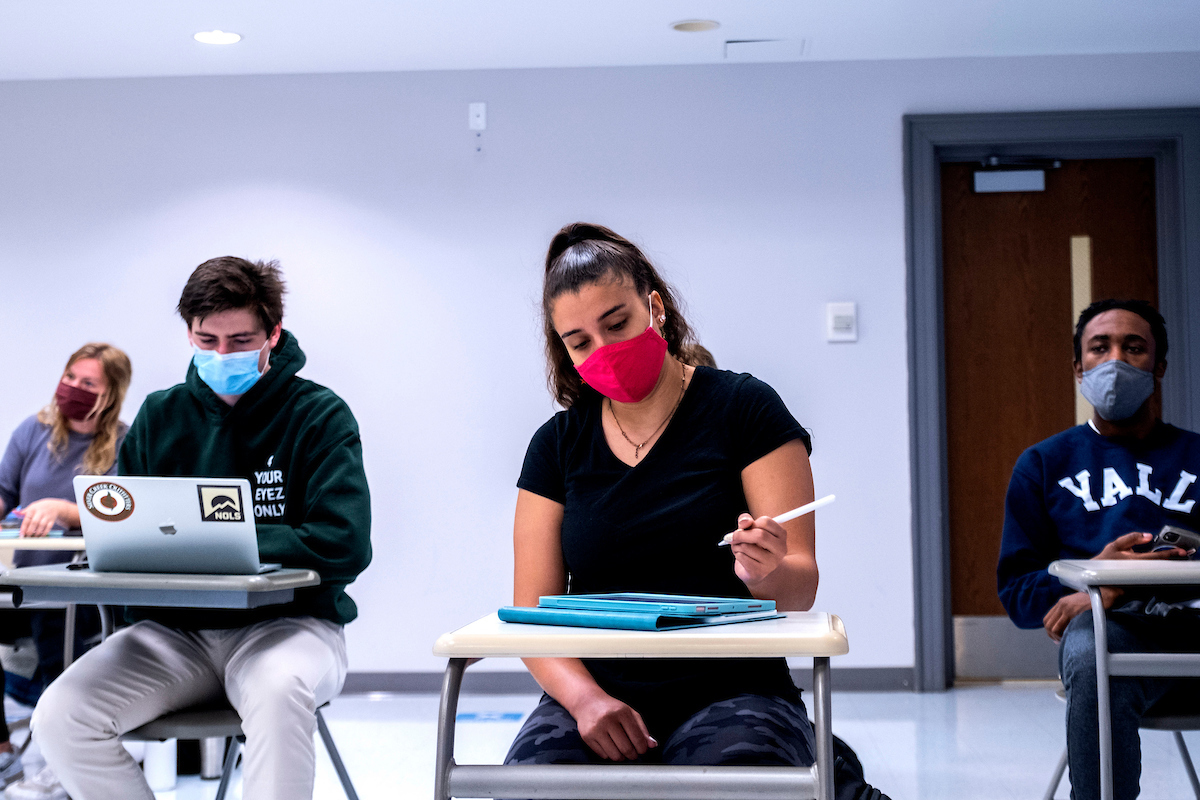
{"x":1174,"y":536}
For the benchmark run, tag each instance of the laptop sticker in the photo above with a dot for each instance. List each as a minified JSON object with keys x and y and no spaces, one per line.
{"x":108,"y":501}
{"x":221,"y":504}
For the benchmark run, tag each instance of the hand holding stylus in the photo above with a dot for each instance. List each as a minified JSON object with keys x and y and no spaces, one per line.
{"x":788,"y":516}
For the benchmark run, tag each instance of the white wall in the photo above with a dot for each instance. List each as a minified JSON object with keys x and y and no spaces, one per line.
{"x":763,"y":191}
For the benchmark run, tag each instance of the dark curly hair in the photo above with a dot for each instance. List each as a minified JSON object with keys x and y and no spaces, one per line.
{"x":1158,"y":325}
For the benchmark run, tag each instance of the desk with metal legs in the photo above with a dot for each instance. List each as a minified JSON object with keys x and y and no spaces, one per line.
{"x":1089,"y":576}
{"x":812,"y":634}
{"x":70,"y":544}
{"x":57,"y":583}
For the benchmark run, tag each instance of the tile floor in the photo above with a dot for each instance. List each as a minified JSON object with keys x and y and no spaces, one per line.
{"x":985,"y":742}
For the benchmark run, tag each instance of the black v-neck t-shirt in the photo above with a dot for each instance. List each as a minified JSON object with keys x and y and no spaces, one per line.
{"x":654,"y":527}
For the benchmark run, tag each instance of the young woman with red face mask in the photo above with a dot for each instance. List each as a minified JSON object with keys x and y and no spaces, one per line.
{"x":79,"y":432}
{"x":630,"y":489}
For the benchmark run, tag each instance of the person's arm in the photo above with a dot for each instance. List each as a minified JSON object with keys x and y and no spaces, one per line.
{"x":609,"y":727}
{"x":1032,"y":597}
{"x":42,"y":516}
{"x":334,"y":534}
{"x":778,"y":562}
{"x":10,"y":474}
{"x":1074,"y":604}
{"x":132,"y":456}
{"x":1029,"y":543}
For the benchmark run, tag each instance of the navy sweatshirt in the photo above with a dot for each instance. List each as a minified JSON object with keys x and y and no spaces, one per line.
{"x":1075,"y":492}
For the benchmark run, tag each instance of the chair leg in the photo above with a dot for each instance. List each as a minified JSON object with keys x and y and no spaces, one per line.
{"x":227,"y":771}
{"x":1187,"y":763}
{"x":336,"y":758}
{"x":1057,"y":779}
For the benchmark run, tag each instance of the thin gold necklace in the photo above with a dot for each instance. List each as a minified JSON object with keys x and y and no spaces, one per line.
{"x":637,"y":448}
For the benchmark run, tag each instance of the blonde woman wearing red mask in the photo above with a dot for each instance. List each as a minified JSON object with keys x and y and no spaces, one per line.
{"x":79,"y":432}
{"x":631,"y":488}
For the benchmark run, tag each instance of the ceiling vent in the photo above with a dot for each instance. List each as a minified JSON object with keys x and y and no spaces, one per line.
{"x":748,"y":51}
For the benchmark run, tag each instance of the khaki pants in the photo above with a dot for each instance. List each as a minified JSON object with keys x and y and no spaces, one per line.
{"x":274,"y":673}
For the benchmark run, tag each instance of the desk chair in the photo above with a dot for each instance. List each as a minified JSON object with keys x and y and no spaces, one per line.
{"x":224,"y":723}
{"x":1155,"y":720}
{"x":217,"y":722}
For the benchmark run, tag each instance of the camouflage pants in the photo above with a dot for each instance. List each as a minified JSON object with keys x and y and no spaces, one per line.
{"x":749,"y":729}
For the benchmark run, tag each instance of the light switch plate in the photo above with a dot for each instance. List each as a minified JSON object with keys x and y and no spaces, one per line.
{"x":477,"y":116}
{"x":841,"y":322}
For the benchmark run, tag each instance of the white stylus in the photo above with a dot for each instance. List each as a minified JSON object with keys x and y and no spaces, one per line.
{"x":789,"y":516}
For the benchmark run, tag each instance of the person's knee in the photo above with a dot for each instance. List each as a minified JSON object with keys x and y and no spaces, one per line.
{"x":549,"y":736}
{"x":62,"y":716}
{"x":285,"y":668}
{"x":286,"y":696}
{"x":746,"y":730}
{"x":1077,"y":653}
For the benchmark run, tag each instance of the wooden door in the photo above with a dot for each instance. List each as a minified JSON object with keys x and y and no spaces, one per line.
{"x":1008,"y":304}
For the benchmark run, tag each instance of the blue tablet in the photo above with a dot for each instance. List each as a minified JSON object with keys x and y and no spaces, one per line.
{"x":676,"y":604}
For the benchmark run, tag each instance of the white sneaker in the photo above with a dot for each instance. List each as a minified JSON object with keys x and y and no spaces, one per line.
{"x":43,"y":786}
{"x":10,"y":768}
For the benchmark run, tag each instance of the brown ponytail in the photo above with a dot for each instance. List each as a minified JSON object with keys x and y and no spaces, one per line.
{"x":582,"y":253}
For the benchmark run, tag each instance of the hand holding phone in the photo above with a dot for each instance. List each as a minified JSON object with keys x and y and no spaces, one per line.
{"x":1173,"y":536}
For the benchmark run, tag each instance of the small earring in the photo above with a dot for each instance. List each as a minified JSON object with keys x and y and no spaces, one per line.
{"x":662,"y":319}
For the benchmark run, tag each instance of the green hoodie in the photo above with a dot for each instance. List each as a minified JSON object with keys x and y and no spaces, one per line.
{"x":298,"y":445}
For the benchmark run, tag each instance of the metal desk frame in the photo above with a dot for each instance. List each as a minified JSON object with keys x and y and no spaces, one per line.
{"x":639,"y":781}
{"x":1090,"y":576}
{"x":71,"y":544}
{"x":57,"y":584}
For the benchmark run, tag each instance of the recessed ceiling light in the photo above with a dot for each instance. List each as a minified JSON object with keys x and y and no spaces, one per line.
{"x":217,"y":37}
{"x":696,"y":25}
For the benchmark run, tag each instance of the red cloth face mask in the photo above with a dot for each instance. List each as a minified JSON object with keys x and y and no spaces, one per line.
{"x":626,"y":371}
{"x":75,"y":403}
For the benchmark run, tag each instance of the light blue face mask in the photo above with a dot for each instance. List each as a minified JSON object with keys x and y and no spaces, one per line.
{"x":232,"y":373}
{"x":1116,"y":389}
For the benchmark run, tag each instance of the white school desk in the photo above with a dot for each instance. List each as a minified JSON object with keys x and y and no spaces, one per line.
{"x":1088,"y":576}
{"x":812,"y":634}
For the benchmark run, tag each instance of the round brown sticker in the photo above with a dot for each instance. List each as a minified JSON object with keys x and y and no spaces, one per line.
{"x":108,"y":501}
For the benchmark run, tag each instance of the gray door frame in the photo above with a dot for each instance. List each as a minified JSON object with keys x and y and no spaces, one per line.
{"x":1172,"y":138}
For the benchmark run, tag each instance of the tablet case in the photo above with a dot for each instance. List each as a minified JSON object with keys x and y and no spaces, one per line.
{"x":624,"y":620}
{"x":650,"y":603}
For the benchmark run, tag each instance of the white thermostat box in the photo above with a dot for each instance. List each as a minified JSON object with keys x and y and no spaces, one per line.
{"x":841,"y":322}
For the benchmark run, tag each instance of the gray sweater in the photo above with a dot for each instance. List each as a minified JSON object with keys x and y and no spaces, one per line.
{"x":29,"y":472}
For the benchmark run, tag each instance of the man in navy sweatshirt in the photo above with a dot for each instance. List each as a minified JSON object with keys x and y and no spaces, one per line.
{"x":1100,"y":491}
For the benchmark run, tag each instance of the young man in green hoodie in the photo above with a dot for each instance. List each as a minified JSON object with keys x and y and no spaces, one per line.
{"x":242,"y":411}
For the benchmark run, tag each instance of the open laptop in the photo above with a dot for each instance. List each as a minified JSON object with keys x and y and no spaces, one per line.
{"x":189,"y":525}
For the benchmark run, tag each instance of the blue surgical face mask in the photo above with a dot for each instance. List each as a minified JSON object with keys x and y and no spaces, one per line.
{"x":232,"y":373}
{"x":1116,"y":389}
